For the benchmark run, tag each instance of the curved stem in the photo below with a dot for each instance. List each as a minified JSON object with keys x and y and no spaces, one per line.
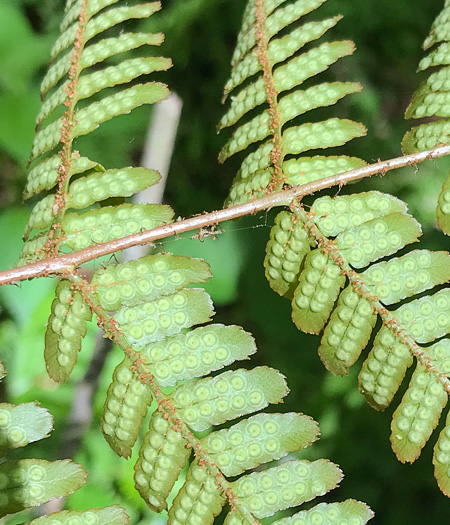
{"x":57,"y":265}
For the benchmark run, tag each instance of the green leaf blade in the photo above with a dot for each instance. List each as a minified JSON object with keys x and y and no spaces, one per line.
{"x":154,"y":320}
{"x":287,"y":247}
{"x":361,"y":245}
{"x":65,"y":331}
{"x":112,"y":222}
{"x":125,"y":408}
{"x":147,"y":279}
{"x":443,"y":207}
{"x":22,"y":424}
{"x":162,"y":456}
{"x":347,"y":333}
{"x":320,"y":284}
{"x":421,"y":406}
{"x":346,"y":512}
{"x":113,"y":515}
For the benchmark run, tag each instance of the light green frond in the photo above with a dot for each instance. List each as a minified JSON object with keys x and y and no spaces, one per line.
{"x":267,"y":67}
{"x":428,"y":317}
{"x":199,"y":499}
{"x":109,"y":77}
{"x":112,"y":222}
{"x":275,"y":22}
{"x":31,"y":482}
{"x":259,"y":439}
{"x":401,"y":277}
{"x":197,"y":353}
{"x":421,"y":406}
{"x":440,"y":30}
{"x":89,"y":118}
{"x":361,"y":245}
{"x":288,"y":245}
{"x":162,"y":456}
{"x":212,"y":401}
{"x":439,"y":57}
{"x":286,"y":77}
{"x":98,"y":186}
{"x":443,"y":207}
{"x":352,"y":231}
{"x":104,"y":21}
{"x":279,"y":50}
{"x":127,"y":401}
{"x":22,"y":424}
{"x":66,"y":85}
{"x":384,"y":369}
{"x":113,"y":515}
{"x":65,"y":331}
{"x":308,"y":169}
{"x":92,"y":188}
{"x":345,"y":513}
{"x":32,"y":250}
{"x":147,"y":279}
{"x":441,"y":458}
{"x":73,"y":12}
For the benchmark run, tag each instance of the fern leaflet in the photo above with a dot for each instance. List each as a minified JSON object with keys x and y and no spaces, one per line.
{"x":432,"y":100}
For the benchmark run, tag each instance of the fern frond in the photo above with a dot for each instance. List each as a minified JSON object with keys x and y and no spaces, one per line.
{"x":351,"y":232}
{"x":140,"y":296}
{"x":65,"y":331}
{"x":30,"y":482}
{"x":432,"y":99}
{"x":441,"y":458}
{"x":269,"y":67}
{"x":69,"y":83}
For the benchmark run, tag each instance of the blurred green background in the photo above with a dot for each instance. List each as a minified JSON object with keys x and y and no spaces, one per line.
{"x":200,"y":36}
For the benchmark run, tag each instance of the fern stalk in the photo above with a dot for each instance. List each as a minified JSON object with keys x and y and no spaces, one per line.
{"x":63,"y":262}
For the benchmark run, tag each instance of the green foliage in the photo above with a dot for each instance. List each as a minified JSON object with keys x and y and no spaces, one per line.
{"x":259,"y":53}
{"x":77,"y":84}
{"x":149,"y":309}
